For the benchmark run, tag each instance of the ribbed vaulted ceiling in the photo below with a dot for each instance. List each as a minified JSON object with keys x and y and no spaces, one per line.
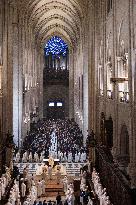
{"x":55,"y":17}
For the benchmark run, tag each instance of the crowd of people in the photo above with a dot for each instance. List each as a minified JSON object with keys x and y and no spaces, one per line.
{"x":38,"y":144}
{"x":60,"y":139}
{"x":29,"y":190}
{"x":4,"y":181}
{"x":99,"y":190}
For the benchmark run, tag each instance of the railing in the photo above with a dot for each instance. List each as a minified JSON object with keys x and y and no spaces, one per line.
{"x":117,"y":186}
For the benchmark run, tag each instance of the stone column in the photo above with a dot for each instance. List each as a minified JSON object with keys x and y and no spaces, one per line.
{"x":15,"y":38}
{"x":1,"y":68}
{"x":20,"y":83}
{"x":85,"y":85}
{"x":71,"y":85}
{"x":8,"y":69}
{"x":41,"y":86}
{"x":132,"y":77}
{"x":92,"y":73}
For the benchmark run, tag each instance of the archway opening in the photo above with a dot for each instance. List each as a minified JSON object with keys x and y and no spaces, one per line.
{"x":124,"y":156}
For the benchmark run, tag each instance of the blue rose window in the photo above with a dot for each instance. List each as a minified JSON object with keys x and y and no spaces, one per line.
{"x":56,"y":46}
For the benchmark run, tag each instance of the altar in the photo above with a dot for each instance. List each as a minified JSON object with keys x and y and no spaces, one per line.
{"x":40,"y":167}
{"x":56,"y":161}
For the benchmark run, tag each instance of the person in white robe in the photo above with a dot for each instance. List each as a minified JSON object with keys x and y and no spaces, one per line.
{"x":90,"y":202}
{"x":9,"y":202}
{"x":50,"y":172}
{"x":50,"y":152}
{"x":7,"y":175}
{"x":107,"y":201}
{"x":41,"y":158}
{"x":36,"y":157}
{"x":69,"y":157}
{"x":34,"y":192}
{"x":25,"y":156}
{"x":65,"y":157}
{"x":0,"y":188}
{"x":102,"y":196}
{"x":76,"y":157}
{"x":17,"y":159}
{"x":44,"y":172}
{"x":79,"y":156}
{"x":62,"y":159}
{"x":58,"y":155}
{"x":61,"y":156}
{"x":71,"y":188}
{"x":83,"y":179}
{"x":23,"y":189}
{"x":4,"y":183}
{"x":65,"y":184}
{"x":99,"y":190}
{"x":58,"y":176}
{"x":39,"y":189}
{"x":30,"y":157}
{"x":18,"y":201}
{"x":70,"y":199}
{"x":16,"y":186}
{"x":51,"y":161}
{"x":82,"y":158}
{"x":25,"y":172}
{"x":43,"y":186}
{"x":88,"y":165}
{"x":55,"y":154}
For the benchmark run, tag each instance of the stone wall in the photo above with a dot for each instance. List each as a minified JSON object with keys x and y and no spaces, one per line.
{"x":21,"y":62}
{"x":56,"y":92}
{"x":115,"y":42}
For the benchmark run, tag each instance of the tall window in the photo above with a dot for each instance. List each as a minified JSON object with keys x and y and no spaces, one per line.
{"x":123,"y":73}
{"x":109,"y":76}
{"x":101,"y":85}
{"x":109,"y":5}
{"x":56,"y":54}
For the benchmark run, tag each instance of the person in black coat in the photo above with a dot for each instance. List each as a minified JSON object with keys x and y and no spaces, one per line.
{"x":40,"y":203}
{"x":58,"y":198}
{"x":44,"y":202}
{"x":49,"y":203}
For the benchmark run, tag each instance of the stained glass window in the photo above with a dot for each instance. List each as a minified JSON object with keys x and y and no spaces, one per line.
{"x":56,"y":46}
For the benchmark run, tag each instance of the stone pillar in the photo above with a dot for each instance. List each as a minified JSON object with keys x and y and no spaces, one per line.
{"x":1,"y":69}
{"x":92,"y":73}
{"x":8,"y":69}
{"x":132,"y":86}
{"x":41,"y":86}
{"x":15,"y":38}
{"x":71,"y":85}
{"x":85,"y":86}
{"x":20,"y":83}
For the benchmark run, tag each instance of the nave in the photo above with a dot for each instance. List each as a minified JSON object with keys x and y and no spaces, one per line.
{"x":68,"y":59}
{"x":40,"y":167}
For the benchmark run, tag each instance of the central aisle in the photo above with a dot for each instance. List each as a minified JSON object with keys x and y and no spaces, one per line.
{"x":53,"y":147}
